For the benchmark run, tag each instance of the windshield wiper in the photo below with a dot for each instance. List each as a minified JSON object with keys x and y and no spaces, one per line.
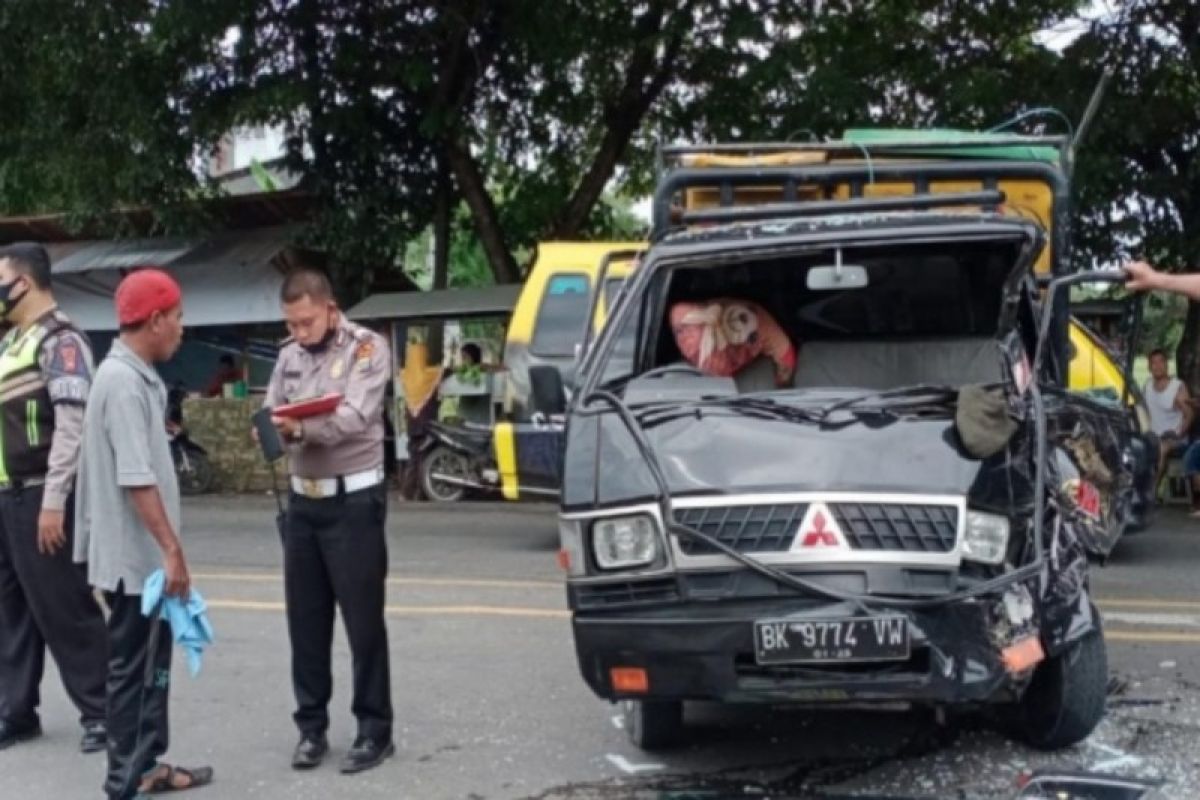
{"x":759,"y":407}
{"x":909,"y":398}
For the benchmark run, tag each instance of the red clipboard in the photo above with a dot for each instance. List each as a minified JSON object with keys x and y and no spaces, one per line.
{"x":313,"y":407}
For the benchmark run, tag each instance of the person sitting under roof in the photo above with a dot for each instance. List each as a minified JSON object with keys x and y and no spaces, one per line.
{"x":227,"y":372}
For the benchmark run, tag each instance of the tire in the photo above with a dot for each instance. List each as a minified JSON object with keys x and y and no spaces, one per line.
{"x":653,"y":724}
{"x":1065,"y":701}
{"x":444,"y":460}
{"x":197,"y":476}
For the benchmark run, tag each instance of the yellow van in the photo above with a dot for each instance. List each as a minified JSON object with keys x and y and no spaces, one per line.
{"x":569,"y":282}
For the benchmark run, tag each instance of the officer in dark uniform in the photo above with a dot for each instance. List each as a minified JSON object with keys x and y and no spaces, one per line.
{"x":45,"y":374}
{"x":335,"y":550}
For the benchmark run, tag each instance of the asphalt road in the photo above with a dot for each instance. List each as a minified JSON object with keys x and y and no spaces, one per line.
{"x":489,"y":703}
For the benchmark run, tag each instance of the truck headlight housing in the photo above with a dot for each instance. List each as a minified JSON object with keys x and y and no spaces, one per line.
{"x":625,"y":542}
{"x":986,"y":537}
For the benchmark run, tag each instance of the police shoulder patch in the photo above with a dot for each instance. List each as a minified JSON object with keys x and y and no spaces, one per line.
{"x":67,"y":357}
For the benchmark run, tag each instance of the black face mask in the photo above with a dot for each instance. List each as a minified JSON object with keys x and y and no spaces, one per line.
{"x":321,"y":345}
{"x":7,"y":302}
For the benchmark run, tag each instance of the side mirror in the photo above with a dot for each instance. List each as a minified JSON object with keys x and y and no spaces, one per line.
{"x":547,"y":393}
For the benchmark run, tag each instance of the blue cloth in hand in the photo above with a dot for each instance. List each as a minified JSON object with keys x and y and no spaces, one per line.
{"x":189,"y":623}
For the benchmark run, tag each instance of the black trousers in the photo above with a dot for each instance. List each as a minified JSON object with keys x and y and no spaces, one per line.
{"x":45,"y":602}
{"x":139,"y":682}
{"x":335,"y":556}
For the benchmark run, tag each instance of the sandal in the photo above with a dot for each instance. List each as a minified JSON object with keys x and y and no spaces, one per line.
{"x":194,"y":778}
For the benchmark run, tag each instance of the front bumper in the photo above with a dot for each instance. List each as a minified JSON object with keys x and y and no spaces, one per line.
{"x":705,"y":651}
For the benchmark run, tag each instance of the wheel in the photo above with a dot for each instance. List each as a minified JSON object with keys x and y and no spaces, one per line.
{"x":442,"y":460}
{"x":1065,"y":701}
{"x":653,"y":724}
{"x":195,"y":473}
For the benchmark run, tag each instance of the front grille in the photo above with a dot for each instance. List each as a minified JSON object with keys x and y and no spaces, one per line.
{"x":898,"y":527}
{"x":747,"y":529}
{"x":655,"y":590}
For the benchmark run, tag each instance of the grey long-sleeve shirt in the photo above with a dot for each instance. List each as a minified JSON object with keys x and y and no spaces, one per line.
{"x":66,"y":362}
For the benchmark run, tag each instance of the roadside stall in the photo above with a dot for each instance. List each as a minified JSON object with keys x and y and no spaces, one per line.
{"x":444,"y":409}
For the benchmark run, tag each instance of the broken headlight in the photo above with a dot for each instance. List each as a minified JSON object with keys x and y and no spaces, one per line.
{"x":625,"y":542}
{"x":986,"y":537}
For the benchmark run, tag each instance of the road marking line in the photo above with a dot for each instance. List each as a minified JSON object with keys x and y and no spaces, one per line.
{"x":401,"y":611}
{"x":1144,"y":602}
{"x":623,"y":764}
{"x":1167,"y":637}
{"x":1160,"y":620}
{"x":270,"y":577}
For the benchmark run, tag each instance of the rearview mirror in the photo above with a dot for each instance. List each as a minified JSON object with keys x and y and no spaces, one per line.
{"x":547,"y":392}
{"x":837,"y":276}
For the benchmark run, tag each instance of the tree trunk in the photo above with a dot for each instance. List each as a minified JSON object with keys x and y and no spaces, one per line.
{"x":473,"y":188}
{"x":645,"y":78}
{"x":441,"y":255}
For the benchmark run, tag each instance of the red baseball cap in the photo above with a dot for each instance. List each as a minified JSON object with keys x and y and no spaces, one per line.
{"x":142,"y":293}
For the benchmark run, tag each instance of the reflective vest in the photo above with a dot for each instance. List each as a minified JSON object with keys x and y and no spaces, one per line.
{"x":26,"y":413}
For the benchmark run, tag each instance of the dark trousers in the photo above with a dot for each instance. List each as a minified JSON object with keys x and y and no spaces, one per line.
{"x":45,"y":602}
{"x":139,"y":682}
{"x":335,"y":556}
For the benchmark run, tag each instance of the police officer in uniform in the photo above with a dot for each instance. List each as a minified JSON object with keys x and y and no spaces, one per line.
{"x":335,"y":551}
{"x":45,"y":374}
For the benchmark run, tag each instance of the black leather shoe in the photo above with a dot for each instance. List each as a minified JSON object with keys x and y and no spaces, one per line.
{"x":11,"y":734}
{"x":366,"y":754}
{"x":310,"y":752}
{"x":95,"y":738}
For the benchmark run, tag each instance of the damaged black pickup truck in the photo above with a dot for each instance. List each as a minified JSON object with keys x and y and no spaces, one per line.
{"x":904,"y":516}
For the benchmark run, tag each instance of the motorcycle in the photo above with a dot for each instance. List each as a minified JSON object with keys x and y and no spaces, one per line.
{"x":192,"y":465}
{"x":457,"y":459}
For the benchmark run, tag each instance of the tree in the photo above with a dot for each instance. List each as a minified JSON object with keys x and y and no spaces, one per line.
{"x":1138,"y":177}
{"x":94,"y":117}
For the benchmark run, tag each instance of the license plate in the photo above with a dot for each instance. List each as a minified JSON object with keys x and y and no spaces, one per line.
{"x":813,"y":641}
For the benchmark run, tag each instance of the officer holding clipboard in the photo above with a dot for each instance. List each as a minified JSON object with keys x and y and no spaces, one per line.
{"x":335,"y":550}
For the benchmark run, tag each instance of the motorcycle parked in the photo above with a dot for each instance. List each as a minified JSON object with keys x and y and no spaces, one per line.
{"x":192,"y":465}
{"x":456,"y":459}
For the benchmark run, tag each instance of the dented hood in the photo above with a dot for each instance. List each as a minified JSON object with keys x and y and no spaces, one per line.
{"x":734,"y":454}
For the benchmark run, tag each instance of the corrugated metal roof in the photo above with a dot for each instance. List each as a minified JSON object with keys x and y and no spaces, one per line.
{"x":239,"y":248}
{"x":124,"y":254}
{"x":487,"y":301}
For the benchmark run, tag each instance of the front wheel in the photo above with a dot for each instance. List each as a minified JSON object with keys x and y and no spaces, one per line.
{"x":1065,"y":701}
{"x":195,"y":472}
{"x":441,"y":460}
{"x":653,"y":724}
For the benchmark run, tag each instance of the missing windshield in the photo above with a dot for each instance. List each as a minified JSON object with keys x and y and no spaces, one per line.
{"x":929,"y":314}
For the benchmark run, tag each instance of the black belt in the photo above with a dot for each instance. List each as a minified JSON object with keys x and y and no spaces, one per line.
{"x":18,"y":484}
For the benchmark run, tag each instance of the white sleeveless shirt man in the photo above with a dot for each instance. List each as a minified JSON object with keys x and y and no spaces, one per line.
{"x":1165,"y":416}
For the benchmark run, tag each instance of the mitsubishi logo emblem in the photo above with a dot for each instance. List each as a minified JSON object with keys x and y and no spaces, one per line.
{"x":818,"y":530}
{"x":819,"y":535}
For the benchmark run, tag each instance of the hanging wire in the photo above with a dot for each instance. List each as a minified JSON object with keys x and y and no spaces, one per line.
{"x":811,"y":135}
{"x":867,"y":156}
{"x":1041,"y":111}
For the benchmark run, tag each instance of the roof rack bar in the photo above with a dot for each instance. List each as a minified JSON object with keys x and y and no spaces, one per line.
{"x":998,"y":140}
{"x":682,"y":178}
{"x":817,"y":208}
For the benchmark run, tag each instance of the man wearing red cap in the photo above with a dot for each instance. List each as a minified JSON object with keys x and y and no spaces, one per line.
{"x":127,"y":527}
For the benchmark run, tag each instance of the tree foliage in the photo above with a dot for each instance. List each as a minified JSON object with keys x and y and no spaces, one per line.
{"x":526,"y":114}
